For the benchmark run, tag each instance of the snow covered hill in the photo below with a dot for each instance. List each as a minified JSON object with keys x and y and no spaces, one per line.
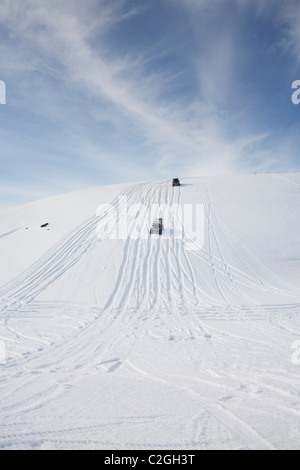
{"x":133,"y":341}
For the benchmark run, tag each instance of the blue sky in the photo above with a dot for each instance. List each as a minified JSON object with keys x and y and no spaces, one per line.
{"x":110,"y":91}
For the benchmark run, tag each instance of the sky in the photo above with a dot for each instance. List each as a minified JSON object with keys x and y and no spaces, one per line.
{"x":102,"y":92}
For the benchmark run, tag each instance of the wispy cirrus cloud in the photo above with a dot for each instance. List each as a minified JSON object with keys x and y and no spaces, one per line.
{"x":291,"y":17}
{"x":169,"y":97}
{"x":63,"y":39}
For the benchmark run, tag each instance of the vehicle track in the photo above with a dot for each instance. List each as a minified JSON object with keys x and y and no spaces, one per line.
{"x":163,"y":295}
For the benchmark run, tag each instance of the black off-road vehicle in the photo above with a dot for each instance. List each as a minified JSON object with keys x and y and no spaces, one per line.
{"x":175,"y":182}
{"x":157,"y":227}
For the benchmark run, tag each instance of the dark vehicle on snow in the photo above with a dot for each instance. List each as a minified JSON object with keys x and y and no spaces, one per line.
{"x":175,"y":182}
{"x":157,"y":227}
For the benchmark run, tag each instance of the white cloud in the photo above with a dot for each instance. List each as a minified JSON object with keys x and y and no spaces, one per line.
{"x":291,"y":15}
{"x":69,"y":41}
{"x":62,"y":37}
{"x":285,"y":14}
{"x":62,"y":34}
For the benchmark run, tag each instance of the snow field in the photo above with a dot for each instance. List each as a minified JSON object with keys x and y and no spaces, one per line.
{"x":143,"y":343}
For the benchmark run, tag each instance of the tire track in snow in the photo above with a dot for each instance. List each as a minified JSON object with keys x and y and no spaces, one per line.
{"x":63,"y":355}
{"x":57,"y":261}
{"x":226,"y":272}
{"x":127,"y":281}
{"x":266,"y":280}
{"x":4,"y":235}
{"x":162,"y":265}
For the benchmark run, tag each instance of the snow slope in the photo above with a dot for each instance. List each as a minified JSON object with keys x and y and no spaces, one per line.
{"x":141,"y":342}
